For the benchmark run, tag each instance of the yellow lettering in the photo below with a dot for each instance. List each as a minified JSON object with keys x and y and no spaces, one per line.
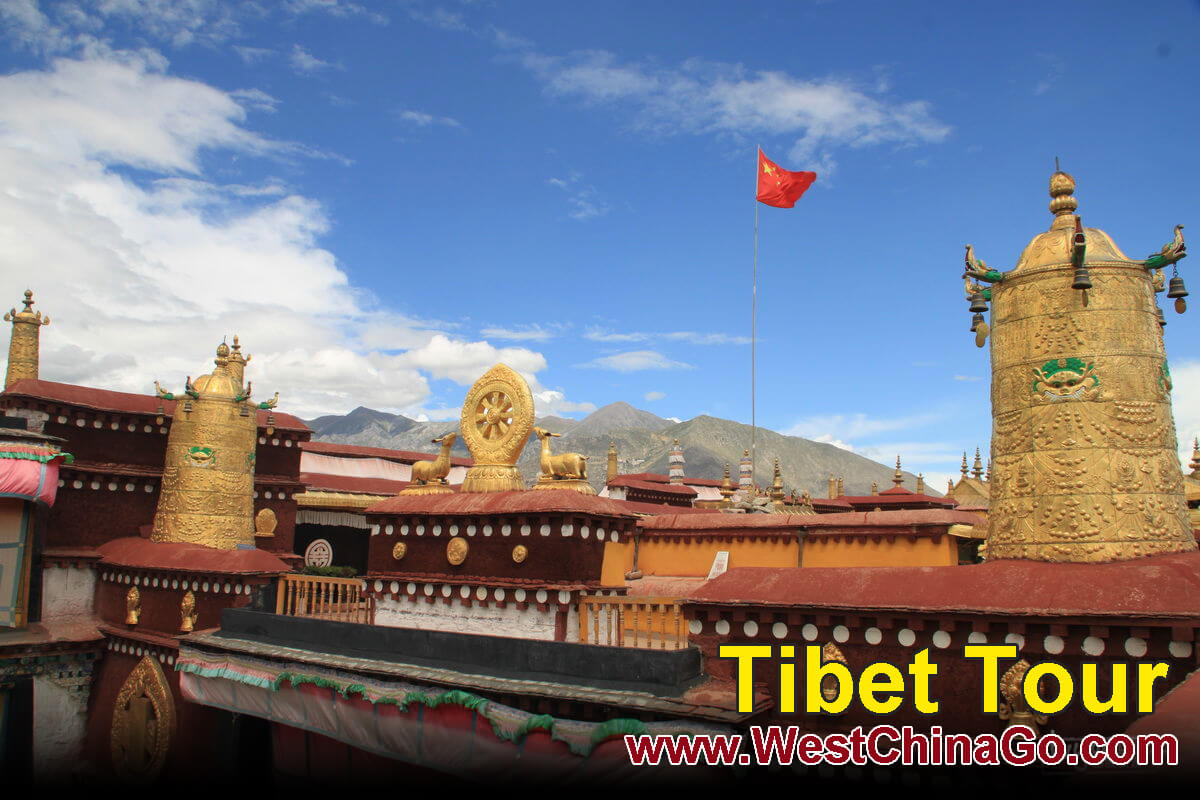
{"x":787,"y":680}
{"x":991,"y":655}
{"x":1116,"y":703}
{"x":1147,"y":675}
{"x":745,"y":654}
{"x":921,"y":670}
{"x":816,"y":673}
{"x":892,"y":681}
{"x":1066,"y":687}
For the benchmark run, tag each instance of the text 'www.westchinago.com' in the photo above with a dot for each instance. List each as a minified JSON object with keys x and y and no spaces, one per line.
{"x":886,"y":745}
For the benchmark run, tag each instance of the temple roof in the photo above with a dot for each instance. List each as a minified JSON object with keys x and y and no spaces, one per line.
{"x":358,"y":451}
{"x":517,"y":502}
{"x":123,"y":402}
{"x":1156,"y":587}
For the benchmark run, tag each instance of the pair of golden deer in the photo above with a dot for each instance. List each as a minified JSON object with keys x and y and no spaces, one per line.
{"x":566,"y":466}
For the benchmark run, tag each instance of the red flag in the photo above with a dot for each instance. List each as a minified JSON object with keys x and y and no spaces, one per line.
{"x":778,"y":187}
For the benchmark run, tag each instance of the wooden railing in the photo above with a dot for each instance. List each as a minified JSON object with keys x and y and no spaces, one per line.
{"x":338,"y":599}
{"x":654,"y":623}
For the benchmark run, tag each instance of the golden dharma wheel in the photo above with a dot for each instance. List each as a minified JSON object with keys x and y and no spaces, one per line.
{"x":497,"y":418}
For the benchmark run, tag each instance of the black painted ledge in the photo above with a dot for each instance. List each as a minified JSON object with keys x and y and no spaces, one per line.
{"x":666,"y":673}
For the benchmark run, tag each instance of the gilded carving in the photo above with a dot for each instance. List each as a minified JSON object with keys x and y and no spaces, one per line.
{"x":187,"y":612}
{"x":399,"y":550}
{"x":133,"y":606}
{"x":265,"y":523}
{"x":456,"y":550}
{"x":497,"y":418}
{"x":520,"y":553}
{"x":562,"y":471}
{"x":1013,"y":708}
{"x":429,"y":477}
{"x":143,"y":723}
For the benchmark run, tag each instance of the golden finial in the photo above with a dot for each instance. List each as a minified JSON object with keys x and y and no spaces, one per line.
{"x":133,"y":606}
{"x":987,"y":475}
{"x":1195,"y":465}
{"x":23,"y":359}
{"x":726,"y":484}
{"x":841,"y":487}
{"x":949,"y":486}
{"x":612,"y":461}
{"x":920,"y":483}
{"x":977,"y":469}
{"x":777,"y":484}
{"x":898,"y":479}
{"x":187,"y":613}
{"x":874,"y":487}
{"x":964,"y":464}
{"x":1062,"y":191}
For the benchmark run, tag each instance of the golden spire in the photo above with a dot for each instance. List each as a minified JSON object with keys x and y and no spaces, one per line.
{"x":874,"y":487}
{"x":1195,"y":465}
{"x":949,"y":486}
{"x":777,"y":484}
{"x":726,"y":484}
{"x":964,"y":464}
{"x":612,"y":461}
{"x":987,"y":476}
{"x":920,"y":483}
{"x":977,"y":469}
{"x":23,"y":346}
{"x":1062,"y":197}
{"x":832,"y":487}
{"x":841,"y":487}
{"x":237,"y":362}
{"x":898,"y":479}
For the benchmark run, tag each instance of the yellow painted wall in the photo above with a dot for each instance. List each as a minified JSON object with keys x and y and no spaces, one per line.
{"x":618,"y":559}
{"x":897,"y":551}
{"x":693,"y":556}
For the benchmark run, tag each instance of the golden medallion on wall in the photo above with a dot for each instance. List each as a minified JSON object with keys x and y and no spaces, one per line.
{"x":456,"y":550}
{"x":520,"y":553}
{"x":399,"y":550}
{"x":143,"y":723}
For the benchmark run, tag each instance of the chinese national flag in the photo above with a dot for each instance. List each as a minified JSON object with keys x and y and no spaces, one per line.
{"x":778,"y":187}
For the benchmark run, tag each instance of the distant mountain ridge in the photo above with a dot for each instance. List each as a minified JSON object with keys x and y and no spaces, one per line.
{"x":643,"y":442}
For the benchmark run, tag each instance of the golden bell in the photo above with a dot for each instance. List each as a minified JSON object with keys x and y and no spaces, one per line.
{"x":1161,"y":319}
{"x":1175,"y":287}
{"x":975,"y":321}
{"x":978,"y":304}
{"x":1082,"y":279}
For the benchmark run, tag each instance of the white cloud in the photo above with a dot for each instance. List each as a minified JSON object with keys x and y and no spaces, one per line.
{"x":439,"y":17}
{"x":252,"y":55}
{"x":422,"y":119}
{"x":635,"y":361}
{"x":305,"y":62}
{"x":463,"y":362}
{"x":529,"y":333}
{"x":143,"y":278}
{"x":699,"y":97}
{"x":853,"y":426}
{"x":555,"y":403}
{"x":968,"y":378}
{"x":583,"y":201}
{"x":652,"y":396}
{"x":690,"y":337}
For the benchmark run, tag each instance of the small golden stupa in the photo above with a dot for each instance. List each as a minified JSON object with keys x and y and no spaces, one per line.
{"x":208,"y":474}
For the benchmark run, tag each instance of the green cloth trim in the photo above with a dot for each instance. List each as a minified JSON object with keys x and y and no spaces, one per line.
{"x":42,"y":458}
{"x":480,"y":705}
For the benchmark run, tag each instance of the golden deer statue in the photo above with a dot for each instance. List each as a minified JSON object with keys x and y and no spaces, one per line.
{"x":435,"y":472}
{"x":570,"y":466}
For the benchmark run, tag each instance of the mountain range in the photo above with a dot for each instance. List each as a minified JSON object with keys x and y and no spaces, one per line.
{"x":643,"y":442}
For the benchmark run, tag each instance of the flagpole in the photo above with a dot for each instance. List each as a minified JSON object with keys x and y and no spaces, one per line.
{"x":754,"y":330}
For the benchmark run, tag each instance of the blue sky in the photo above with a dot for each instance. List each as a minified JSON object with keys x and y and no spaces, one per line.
{"x":383,"y":199}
